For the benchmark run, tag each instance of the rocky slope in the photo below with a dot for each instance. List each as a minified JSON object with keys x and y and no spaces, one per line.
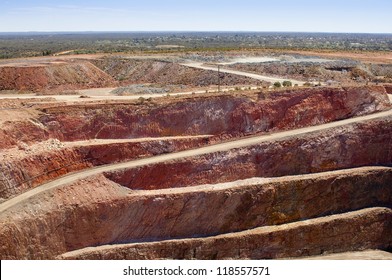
{"x":139,"y":71}
{"x":344,"y":72}
{"x":223,"y":115}
{"x":388,"y":88}
{"x":19,"y":121}
{"x":34,"y":165}
{"x":220,"y":115}
{"x":217,"y":114}
{"x":348,"y":146}
{"x":166,"y":206}
{"x":53,"y":76}
{"x":96,"y":211}
{"x":359,"y":230}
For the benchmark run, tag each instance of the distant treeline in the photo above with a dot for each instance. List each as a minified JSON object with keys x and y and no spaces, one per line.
{"x":38,"y":44}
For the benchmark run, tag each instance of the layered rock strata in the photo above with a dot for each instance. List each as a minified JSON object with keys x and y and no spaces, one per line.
{"x":217,"y":114}
{"x":96,"y":211}
{"x":220,"y":115}
{"x":354,"y":145}
{"x":21,"y":173}
{"x":359,"y":230}
{"x":161,"y":210}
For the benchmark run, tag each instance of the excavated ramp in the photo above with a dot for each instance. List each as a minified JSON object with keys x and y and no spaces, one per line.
{"x":317,"y":184}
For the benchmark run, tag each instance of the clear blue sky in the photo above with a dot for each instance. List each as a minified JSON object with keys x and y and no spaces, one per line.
{"x":366,"y":16}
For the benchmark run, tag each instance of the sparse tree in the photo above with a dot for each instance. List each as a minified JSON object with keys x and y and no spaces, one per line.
{"x":277,"y":85}
{"x":46,"y":53}
{"x":287,"y":84}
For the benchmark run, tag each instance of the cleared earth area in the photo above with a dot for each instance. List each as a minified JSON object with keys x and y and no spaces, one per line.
{"x":118,"y":157}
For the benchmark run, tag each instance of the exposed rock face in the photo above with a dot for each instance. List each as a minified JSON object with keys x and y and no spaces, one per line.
{"x":388,"y":88}
{"x":222,"y":114}
{"x":53,"y":76}
{"x":353,"y":145}
{"x":19,"y":121}
{"x":360,"y":230}
{"x":20,"y":173}
{"x":42,"y":232}
{"x":26,"y":131}
{"x":219,"y":115}
{"x":255,"y":218}
{"x":96,"y":211}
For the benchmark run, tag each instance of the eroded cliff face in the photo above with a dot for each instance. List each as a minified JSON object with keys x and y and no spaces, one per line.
{"x":96,"y":211}
{"x":23,"y":173}
{"x":217,"y":115}
{"x":359,"y":230}
{"x":48,"y":160}
{"x":354,"y":145}
{"x":255,"y":218}
{"x":19,"y":122}
{"x":21,"y":131}
{"x":221,"y":115}
{"x":388,"y":88}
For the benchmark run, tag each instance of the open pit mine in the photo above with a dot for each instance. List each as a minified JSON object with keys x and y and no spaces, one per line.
{"x":293,"y":173}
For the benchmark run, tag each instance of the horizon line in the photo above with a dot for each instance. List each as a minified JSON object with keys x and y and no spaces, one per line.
{"x":198,"y":31}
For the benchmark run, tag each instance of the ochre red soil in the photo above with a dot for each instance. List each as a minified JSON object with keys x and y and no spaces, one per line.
{"x":53,"y":76}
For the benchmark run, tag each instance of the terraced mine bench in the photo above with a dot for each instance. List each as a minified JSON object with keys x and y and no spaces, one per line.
{"x":158,"y":207}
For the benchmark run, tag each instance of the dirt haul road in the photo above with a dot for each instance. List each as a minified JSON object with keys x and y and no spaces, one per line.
{"x":184,"y":154}
{"x":199,"y":65}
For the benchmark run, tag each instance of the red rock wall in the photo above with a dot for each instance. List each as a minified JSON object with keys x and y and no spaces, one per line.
{"x":354,"y":145}
{"x":95,"y":211}
{"x":22,"y":131}
{"x":388,"y":88}
{"x":38,"y":229}
{"x":19,"y":175}
{"x":222,"y":115}
{"x":361,"y":230}
{"x":225,"y":114}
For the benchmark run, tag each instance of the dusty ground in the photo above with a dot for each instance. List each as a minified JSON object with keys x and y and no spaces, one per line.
{"x":58,"y":74}
{"x":361,"y":255}
{"x":368,"y":57}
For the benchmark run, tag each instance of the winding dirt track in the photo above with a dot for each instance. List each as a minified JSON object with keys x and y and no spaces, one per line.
{"x":91,"y":142}
{"x":199,"y":65}
{"x":184,"y":154}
